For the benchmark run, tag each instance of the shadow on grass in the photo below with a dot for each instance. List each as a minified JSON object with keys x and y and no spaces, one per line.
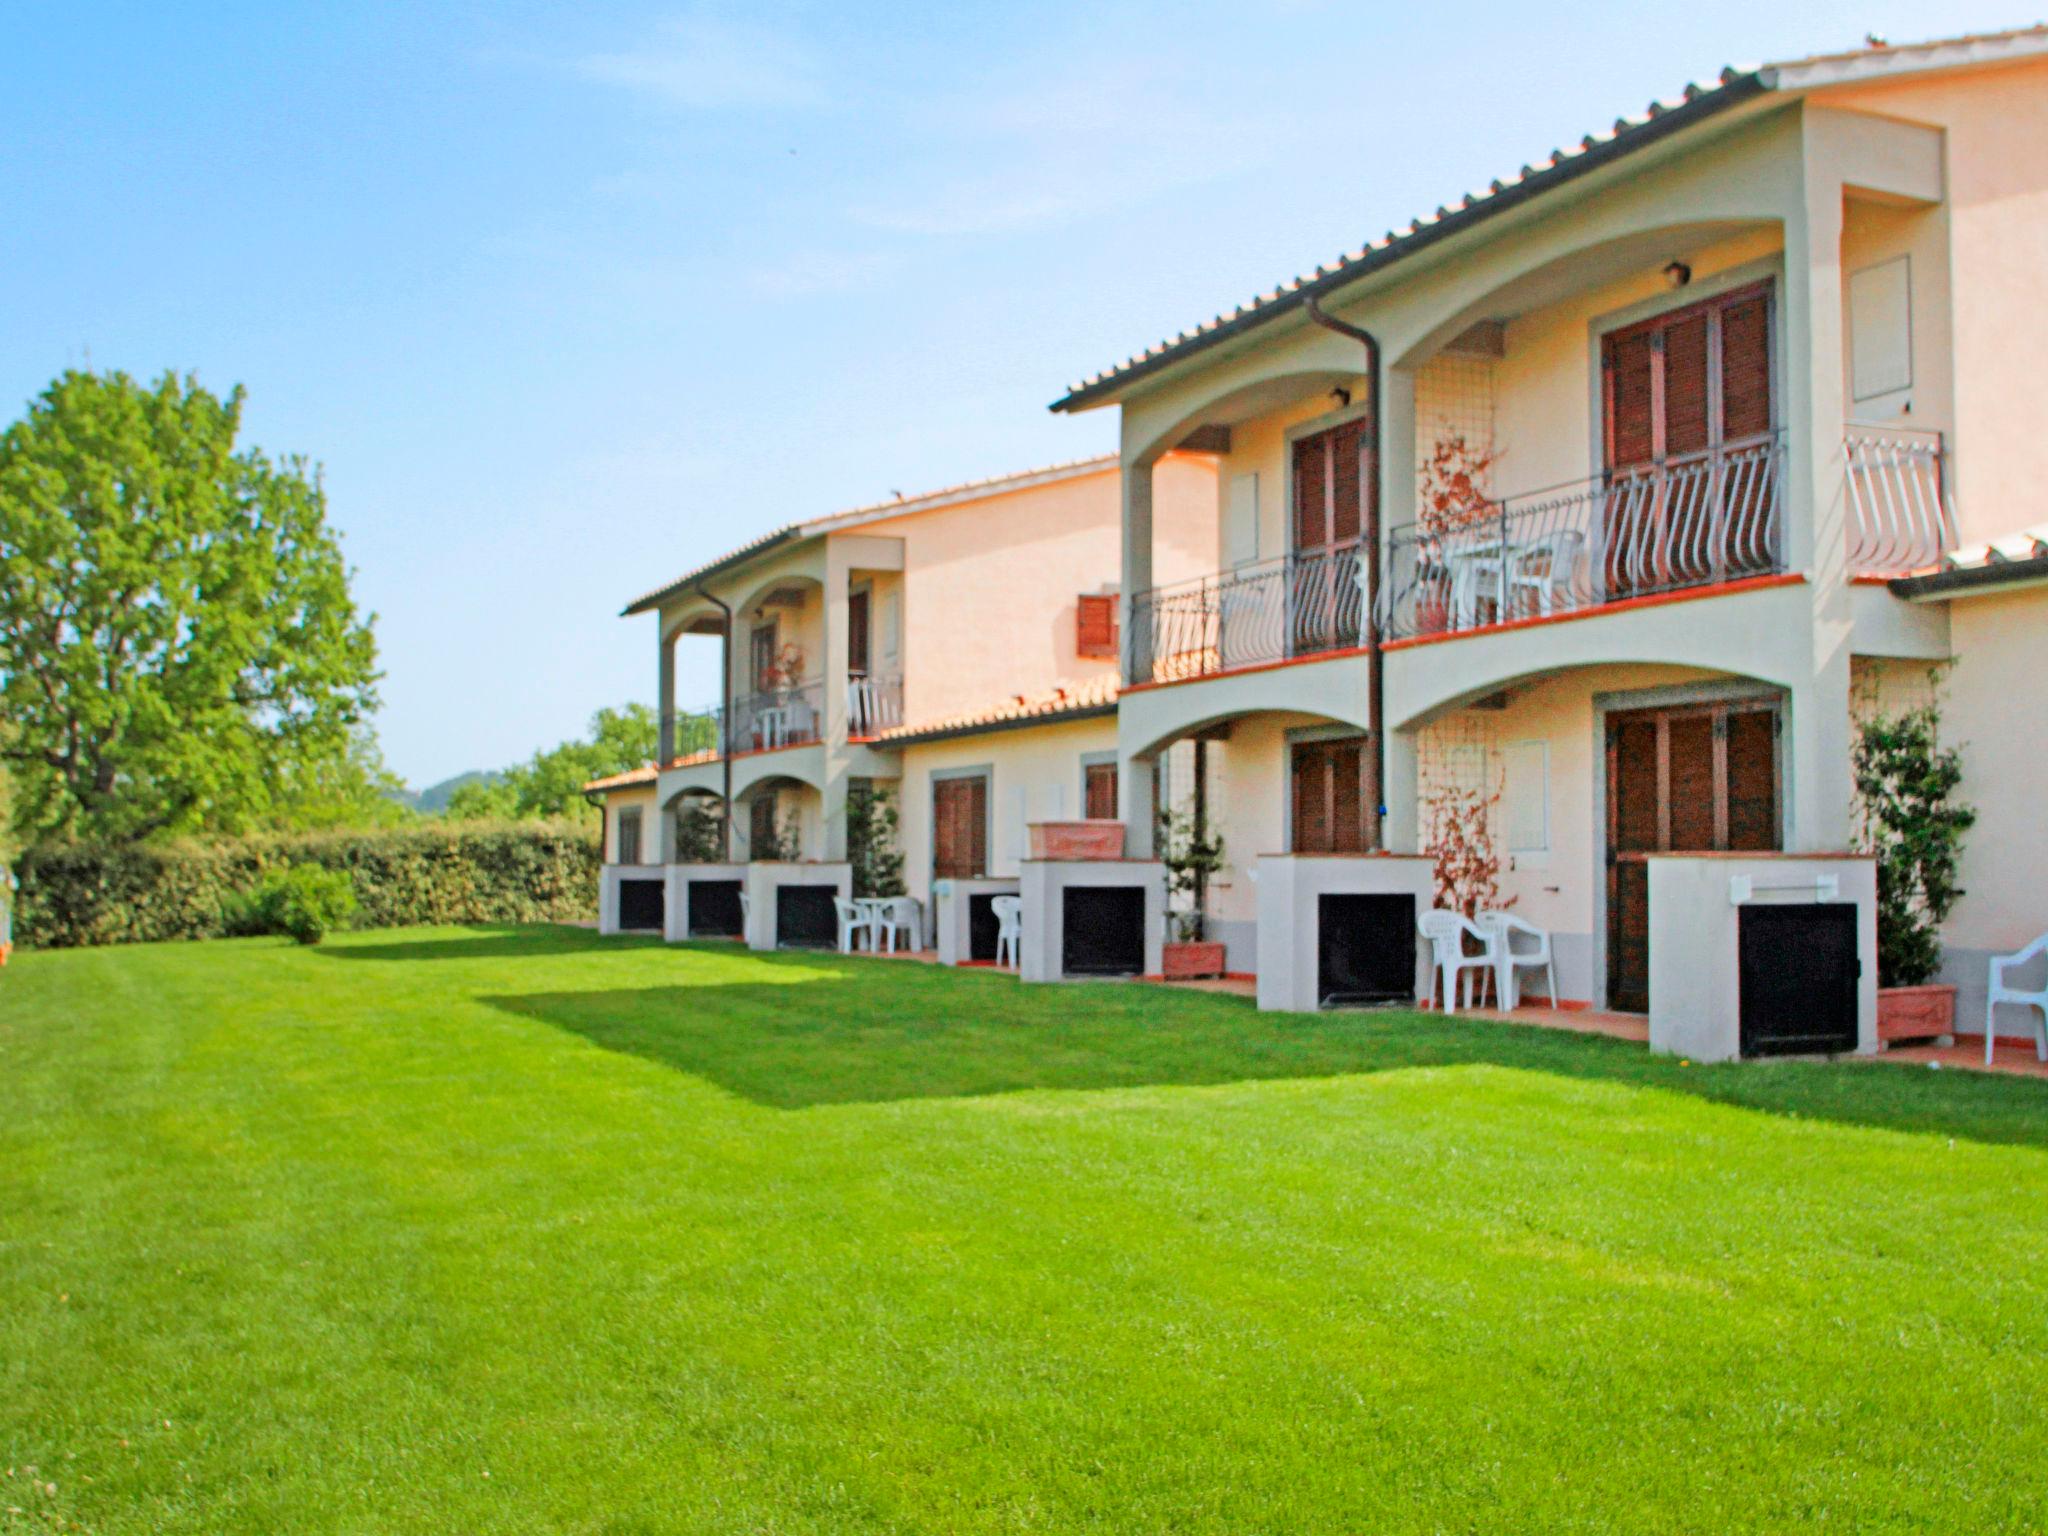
{"x":881,"y":1032}
{"x":539,"y":942}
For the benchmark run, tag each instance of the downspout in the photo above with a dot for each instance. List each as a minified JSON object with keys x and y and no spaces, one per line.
{"x":1375,"y":837}
{"x":724,"y":724}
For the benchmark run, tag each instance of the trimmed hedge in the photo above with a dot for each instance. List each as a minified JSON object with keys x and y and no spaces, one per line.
{"x":432,"y":872}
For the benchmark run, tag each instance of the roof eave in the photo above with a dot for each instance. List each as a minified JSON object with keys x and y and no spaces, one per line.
{"x":1972,"y":580}
{"x":731,"y":562}
{"x":990,"y":727}
{"x":1731,"y":93}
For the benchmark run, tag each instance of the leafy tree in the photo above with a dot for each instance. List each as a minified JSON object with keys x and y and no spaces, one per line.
{"x":551,"y":783}
{"x":871,"y":845}
{"x":179,"y":650}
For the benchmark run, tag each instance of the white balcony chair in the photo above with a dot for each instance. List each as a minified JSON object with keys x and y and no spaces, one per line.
{"x":853,"y":922}
{"x":901,"y":915}
{"x":1502,"y":929}
{"x":771,"y":728}
{"x":746,"y":916}
{"x":2001,"y":991}
{"x":1542,"y":570}
{"x":1009,"y":911}
{"x":1446,"y":934}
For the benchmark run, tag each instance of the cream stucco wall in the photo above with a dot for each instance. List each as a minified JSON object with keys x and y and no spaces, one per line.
{"x":1035,"y":774}
{"x":1997,"y":713}
{"x":1996,"y":124}
{"x":990,"y":586}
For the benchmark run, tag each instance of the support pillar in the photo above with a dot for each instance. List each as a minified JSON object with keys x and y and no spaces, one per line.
{"x":1137,"y":570}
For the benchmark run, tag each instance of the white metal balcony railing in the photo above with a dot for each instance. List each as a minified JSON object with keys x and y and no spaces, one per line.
{"x":784,"y":717}
{"x":1901,"y":516}
{"x":1689,"y":522}
{"x":1303,"y":605}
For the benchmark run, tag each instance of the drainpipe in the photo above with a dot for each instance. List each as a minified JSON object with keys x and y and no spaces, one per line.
{"x":724,"y":724}
{"x":1374,"y":837}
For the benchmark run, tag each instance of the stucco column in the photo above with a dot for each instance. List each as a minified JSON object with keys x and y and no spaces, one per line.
{"x":1401,"y":829}
{"x":1819,"y":786}
{"x":838,"y":575}
{"x":1397,"y":451}
{"x":665,"y":692}
{"x":1137,"y":567}
{"x":1134,"y":793}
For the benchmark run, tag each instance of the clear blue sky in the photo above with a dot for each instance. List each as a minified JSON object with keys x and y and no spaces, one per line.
{"x":569,"y":298}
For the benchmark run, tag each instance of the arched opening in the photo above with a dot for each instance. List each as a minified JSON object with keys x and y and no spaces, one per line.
{"x":778,"y":817}
{"x":1546,"y":794}
{"x":696,"y":826}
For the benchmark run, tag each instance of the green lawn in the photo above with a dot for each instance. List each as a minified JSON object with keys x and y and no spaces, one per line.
{"x":503,"y":1230}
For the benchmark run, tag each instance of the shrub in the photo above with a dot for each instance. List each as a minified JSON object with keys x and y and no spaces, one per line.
{"x":303,"y":901}
{"x":1905,"y":788}
{"x":871,"y":845}
{"x":427,"y":872}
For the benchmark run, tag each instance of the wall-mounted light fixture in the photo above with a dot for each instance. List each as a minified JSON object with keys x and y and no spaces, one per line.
{"x":1677,"y":275}
{"x":1341,"y":395}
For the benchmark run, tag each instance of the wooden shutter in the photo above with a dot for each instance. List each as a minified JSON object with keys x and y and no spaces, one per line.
{"x":1099,"y":783}
{"x":1631,"y":400}
{"x":761,"y":824}
{"x":857,"y":633}
{"x":1311,"y":493}
{"x":1329,"y":796}
{"x":1095,"y":625}
{"x":1687,"y":406}
{"x":960,"y":828}
{"x":1746,"y":367}
{"x":1753,"y":780}
{"x":764,"y":649}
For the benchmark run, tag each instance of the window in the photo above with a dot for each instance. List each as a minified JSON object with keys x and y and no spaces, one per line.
{"x":960,"y":828}
{"x":764,"y":651}
{"x":1881,"y":329}
{"x":626,"y":837}
{"x":1241,"y":521}
{"x":1659,"y":379}
{"x":1328,"y":782}
{"x":1095,"y":625}
{"x":1098,"y":791}
{"x":1525,"y":796}
{"x":857,"y":632}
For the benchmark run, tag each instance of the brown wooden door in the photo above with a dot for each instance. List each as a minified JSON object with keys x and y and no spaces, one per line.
{"x":1678,"y":391}
{"x":1335,"y":494}
{"x":1099,"y":786}
{"x":857,"y":633}
{"x":1692,"y":779}
{"x":959,"y":828}
{"x":761,"y":829}
{"x":1329,"y":796}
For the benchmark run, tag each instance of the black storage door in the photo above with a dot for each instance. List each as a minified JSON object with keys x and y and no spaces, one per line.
{"x":982,"y":925}
{"x":1103,"y":932}
{"x":714,"y":909}
{"x":1798,"y":972}
{"x":1365,"y":949}
{"x":640,"y":906}
{"x":805,"y":917}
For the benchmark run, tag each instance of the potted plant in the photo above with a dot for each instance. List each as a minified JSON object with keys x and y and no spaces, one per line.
{"x":1191,"y":854}
{"x":1906,"y":783}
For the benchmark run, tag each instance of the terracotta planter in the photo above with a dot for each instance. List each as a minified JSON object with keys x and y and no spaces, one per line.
{"x":1184,"y":962}
{"x":1077,"y":839}
{"x":1915,"y":1013}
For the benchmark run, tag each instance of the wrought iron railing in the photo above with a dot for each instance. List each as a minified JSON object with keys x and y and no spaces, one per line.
{"x":784,"y":717}
{"x":873,"y":704}
{"x":1901,"y":517}
{"x":1686,"y":522}
{"x":1300,"y":606}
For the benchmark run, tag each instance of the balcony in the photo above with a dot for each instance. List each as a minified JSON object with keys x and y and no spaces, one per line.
{"x":1305,"y":605}
{"x":783,"y":717}
{"x":1684,"y":523}
{"x":1901,"y":518}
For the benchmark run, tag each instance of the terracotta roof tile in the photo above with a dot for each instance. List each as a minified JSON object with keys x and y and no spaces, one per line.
{"x":1094,"y":696}
{"x":646,"y":773}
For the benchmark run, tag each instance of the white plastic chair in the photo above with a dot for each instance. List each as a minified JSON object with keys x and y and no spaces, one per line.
{"x":1009,"y":911}
{"x":900,"y":914}
{"x":746,"y":914}
{"x":1446,"y":934}
{"x":853,"y":922}
{"x":2000,"y":991}
{"x":1501,"y":929}
{"x":1543,"y":569}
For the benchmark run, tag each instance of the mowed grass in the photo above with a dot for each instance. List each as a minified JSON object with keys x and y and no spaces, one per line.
{"x":523,"y":1230}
